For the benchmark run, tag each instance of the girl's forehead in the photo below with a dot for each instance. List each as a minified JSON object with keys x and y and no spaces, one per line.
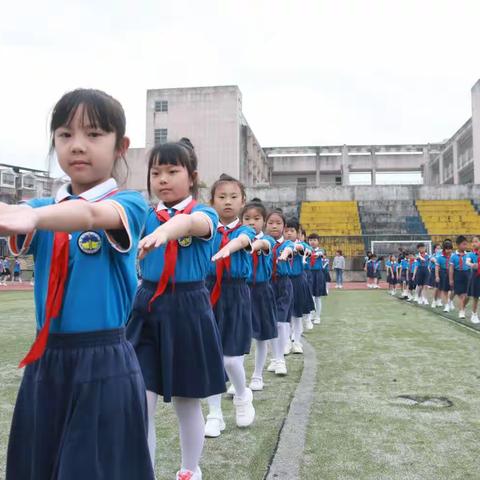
{"x":228,"y":188}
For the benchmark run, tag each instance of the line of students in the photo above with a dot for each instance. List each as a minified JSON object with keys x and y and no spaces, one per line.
{"x":6,"y":272}
{"x":450,"y":274}
{"x":105,"y":350}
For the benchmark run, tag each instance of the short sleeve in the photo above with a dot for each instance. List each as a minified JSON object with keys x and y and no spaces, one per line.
{"x":271,"y":243}
{"x":211,"y":216}
{"x":27,"y":244}
{"x":132,"y":209}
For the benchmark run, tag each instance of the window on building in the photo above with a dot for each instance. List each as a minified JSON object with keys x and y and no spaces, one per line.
{"x":338,"y":180}
{"x":7,"y":179}
{"x":302,"y":181}
{"x":28,"y":182}
{"x":160,"y":136}
{"x":161,"y":105}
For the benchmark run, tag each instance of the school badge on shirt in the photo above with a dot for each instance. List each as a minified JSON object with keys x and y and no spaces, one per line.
{"x":90,"y":242}
{"x":185,"y":241}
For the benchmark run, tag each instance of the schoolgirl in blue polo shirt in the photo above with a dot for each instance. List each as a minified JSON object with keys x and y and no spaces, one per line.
{"x":420,"y":273}
{"x":437,"y":301}
{"x":264,"y":308}
{"x":392,"y":267}
{"x":282,"y":288}
{"x":474,"y":285}
{"x":302,"y":298}
{"x":459,"y":274}
{"x":172,"y":326}
{"x":403,"y":276}
{"x":318,"y":282}
{"x":326,"y":270}
{"x":230,"y":297}
{"x":442,"y":266}
{"x":81,"y":374}
{"x":371,"y":267}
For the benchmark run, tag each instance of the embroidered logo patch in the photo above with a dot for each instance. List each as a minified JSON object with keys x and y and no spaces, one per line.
{"x":185,"y":241}
{"x":90,"y":242}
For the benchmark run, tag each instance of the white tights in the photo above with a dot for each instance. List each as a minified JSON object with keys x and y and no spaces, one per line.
{"x":191,"y":429}
{"x":260,"y":357}
{"x":297,"y":324}
{"x":318,"y":305}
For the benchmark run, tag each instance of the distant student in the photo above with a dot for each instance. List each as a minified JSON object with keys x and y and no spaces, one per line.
{"x":318,"y":280}
{"x":411,"y":278}
{"x":326,"y":270}
{"x":473,"y":259}
{"x":392,"y":271}
{"x":437,"y":300}
{"x":339,"y":267}
{"x":442,"y":266}
{"x":402,"y":274}
{"x":17,"y":271}
{"x":2,"y":272}
{"x":459,"y":273}
{"x":371,"y":267}
{"x":420,"y":274}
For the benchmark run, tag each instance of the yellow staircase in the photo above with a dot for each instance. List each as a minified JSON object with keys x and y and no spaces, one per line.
{"x":337,"y":224}
{"x":448,"y":218}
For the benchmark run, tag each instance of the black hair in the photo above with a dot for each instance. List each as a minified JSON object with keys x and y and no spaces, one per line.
{"x":293,"y":223}
{"x":447,"y":244}
{"x":175,"y":153}
{"x":303,"y":231}
{"x":460,"y":239}
{"x":100,"y":110}
{"x":420,"y":245}
{"x":313,"y":236}
{"x":256,"y":199}
{"x":254,"y":205}
{"x":227,"y":178}
{"x":279,"y":212}
{"x":436,"y":245}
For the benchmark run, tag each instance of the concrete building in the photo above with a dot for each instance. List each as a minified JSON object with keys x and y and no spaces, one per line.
{"x":212,"y":118}
{"x":459,"y":160}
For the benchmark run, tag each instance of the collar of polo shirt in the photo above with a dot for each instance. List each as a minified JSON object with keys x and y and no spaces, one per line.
{"x":91,"y":195}
{"x":179,"y":206}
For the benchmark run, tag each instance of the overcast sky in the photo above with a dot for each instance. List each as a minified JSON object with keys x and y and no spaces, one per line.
{"x":311,"y":72}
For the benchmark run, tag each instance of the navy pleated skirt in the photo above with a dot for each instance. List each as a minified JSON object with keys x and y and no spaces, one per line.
{"x":264,"y":311}
{"x":177,"y":342}
{"x":302,"y":298}
{"x":233,"y":313}
{"x":392,"y":279}
{"x":444,"y":284}
{"x":81,"y":412}
{"x":421,"y":277}
{"x":283,"y":290}
{"x":474,"y":285}
{"x":318,"y":283}
{"x":328,"y":277}
{"x":431,"y":278}
{"x":403,"y":276}
{"x":460,"y":281}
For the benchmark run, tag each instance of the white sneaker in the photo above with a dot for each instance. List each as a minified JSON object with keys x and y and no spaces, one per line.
{"x":461,"y":314}
{"x":231,"y":391}
{"x":425,"y":301}
{"x":475,"y":318}
{"x":446,"y":309}
{"x":281,"y":368}
{"x":189,"y":475}
{"x":451,"y":306}
{"x":256,"y":384}
{"x":316,"y":321}
{"x":214,"y":426}
{"x":272,"y":365}
{"x":245,"y":413}
{"x":439,"y":303}
{"x":288,"y":348}
{"x":307,"y":323}
{"x":434,"y":304}
{"x":297,"y":347}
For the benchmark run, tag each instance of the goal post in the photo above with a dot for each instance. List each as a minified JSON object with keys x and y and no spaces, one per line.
{"x":392,"y":247}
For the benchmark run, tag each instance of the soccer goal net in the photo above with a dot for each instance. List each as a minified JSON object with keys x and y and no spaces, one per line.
{"x":393,"y":247}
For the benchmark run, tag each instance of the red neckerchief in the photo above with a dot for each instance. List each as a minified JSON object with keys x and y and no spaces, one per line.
{"x":56,"y":288}
{"x":275,"y":257}
{"x":460,"y":259}
{"x":222,"y":264}
{"x":171,"y":254}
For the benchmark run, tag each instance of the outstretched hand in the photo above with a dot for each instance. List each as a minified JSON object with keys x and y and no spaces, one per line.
{"x":221,"y":254}
{"x":18,"y":222}
{"x":155,"y":240}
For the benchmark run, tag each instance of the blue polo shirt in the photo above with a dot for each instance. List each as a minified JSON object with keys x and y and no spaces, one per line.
{"x":404,"y":264}
{"x":194,"y":253}
{"x":443,"y":261}
{"x":455,"y":261}
{"x":318,"y":265}
{"x":265,"y":260}
{"x":284,"y":269}
{"x":298,"y":265}
{"x":422,"y":262}
{"x":101,"y":280}
{"x":240,"y":262}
